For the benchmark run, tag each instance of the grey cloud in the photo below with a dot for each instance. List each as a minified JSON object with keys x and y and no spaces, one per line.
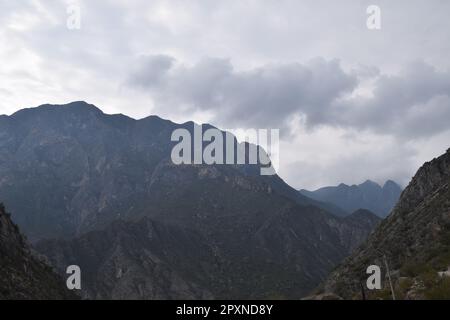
{"x":151,"y":71}
{"x":412,"y":104}
{"x":265,"y":96}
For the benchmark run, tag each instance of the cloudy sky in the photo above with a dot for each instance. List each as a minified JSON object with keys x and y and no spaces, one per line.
{"x":351,"y":103}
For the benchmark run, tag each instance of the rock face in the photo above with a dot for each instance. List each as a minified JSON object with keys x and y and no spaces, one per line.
{"x":23,"y":275}
{"x":141,"y":260}
{"x":152,"y":260}
{"x":415,"y":239}
{"x":358,"y":226}
{"x":63,"y":167}
{"x":368,"y":195}
{"x":105,"y":188}
{"x":198,"y":244}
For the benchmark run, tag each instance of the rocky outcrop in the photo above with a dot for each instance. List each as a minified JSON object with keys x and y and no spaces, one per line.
{"x":357,"y":228}
{"x":23,"y":275}
{"x":141,"y":260}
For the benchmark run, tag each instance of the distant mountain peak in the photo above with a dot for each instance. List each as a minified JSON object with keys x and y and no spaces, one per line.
{"x":76,"y":107}
{"x":370,"y":182}
{"x":83,"y":105}
{"x":391,"y":184}
{"x":367,"y":195}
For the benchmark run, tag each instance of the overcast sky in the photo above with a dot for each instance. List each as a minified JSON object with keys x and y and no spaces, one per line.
{"x":351,"y":103}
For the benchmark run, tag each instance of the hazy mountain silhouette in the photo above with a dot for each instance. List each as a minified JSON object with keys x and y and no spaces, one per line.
{"x":368,"y":195}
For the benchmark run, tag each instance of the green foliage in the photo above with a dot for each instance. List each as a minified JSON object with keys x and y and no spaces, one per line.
{"x":429,"y":278}
{"x":276,"y":296}
{"x":383,"y":294}
{"x":413,"y":269}
{"x":404,"y":285}
{"x":440,"y":291}
{"x":442,"y":261}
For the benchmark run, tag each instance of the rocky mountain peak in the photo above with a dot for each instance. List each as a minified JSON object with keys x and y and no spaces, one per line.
{"x":431,"y":176}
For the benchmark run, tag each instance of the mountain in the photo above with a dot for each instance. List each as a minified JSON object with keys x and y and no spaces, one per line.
{"x":101,"y":191}
{"x":141,"y":260}
{"x":23,"y":275}
{"x":358,"y":223}
{"x":284,"y":189}
{"x":414,"y":239}
{"x":242,"y":257}
{"x":368,"y":195}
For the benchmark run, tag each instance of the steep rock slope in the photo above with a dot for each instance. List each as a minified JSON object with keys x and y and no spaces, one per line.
{"x":23,"y":276}
{"x":415,"y":239}
{"x":142,"y":260}
{"x":259,"y":245}
{"x":358,"y":226}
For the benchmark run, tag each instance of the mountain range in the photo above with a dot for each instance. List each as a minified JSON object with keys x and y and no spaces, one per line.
{"x":368,"y":195}
{"x":100,"y":191}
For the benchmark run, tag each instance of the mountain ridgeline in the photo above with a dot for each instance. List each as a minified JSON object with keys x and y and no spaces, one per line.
{"x":414,"y":241}
{"x":368,"y":195}
{"x":100,"y":191}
